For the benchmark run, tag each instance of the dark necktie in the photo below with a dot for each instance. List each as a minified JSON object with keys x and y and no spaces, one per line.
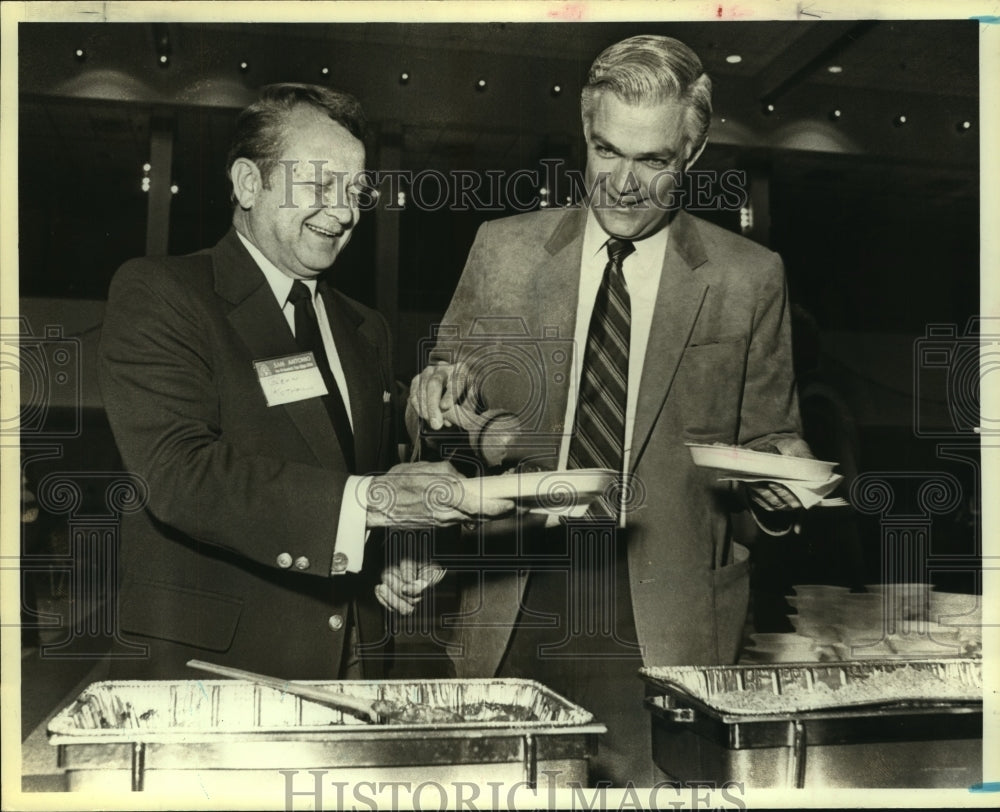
{"x":599,"y":436}
{"x":308,"y":337}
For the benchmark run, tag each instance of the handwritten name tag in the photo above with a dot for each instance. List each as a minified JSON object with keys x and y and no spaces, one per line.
{"x":290,"y":378}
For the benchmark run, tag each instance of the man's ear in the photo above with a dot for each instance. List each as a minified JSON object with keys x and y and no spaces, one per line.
{"x":695,"y":155}
{"x":247,"y":182}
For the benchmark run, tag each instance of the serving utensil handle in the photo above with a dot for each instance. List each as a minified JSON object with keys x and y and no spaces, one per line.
{"x":353,"y":705}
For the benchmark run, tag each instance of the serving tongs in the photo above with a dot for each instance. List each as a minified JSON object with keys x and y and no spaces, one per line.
{"x":381,"y":711}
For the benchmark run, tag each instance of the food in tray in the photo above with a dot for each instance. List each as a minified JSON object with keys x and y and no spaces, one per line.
{"x":403,"y":713}
{"x":91,"y":711}
{"x":900,"y":684}
{"x":413,"y":713}
{"x":498,"y":712}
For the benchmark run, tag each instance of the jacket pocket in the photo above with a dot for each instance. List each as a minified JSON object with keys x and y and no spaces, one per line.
{"x":709,"y":386}
{"x":731,"y":584}
{"x":194,"y":617}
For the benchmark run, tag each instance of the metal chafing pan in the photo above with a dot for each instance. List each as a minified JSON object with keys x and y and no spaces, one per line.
{"x":889,"y":723}
{"x":221,"y":736}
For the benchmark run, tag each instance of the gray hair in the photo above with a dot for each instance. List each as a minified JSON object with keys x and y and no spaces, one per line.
{"x":648,"y":69}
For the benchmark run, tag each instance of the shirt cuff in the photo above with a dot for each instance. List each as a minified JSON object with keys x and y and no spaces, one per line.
{"x":352,"y":532}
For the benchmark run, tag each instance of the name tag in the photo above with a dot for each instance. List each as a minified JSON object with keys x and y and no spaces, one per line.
{"x":290,"y":378}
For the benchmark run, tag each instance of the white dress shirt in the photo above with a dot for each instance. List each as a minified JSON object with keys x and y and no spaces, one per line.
{"x":642,"y":276}
{"x":351,"y":528}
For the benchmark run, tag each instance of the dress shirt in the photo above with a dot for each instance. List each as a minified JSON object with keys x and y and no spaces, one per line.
{"x":351,"y":528}
{"x":642,"y":276}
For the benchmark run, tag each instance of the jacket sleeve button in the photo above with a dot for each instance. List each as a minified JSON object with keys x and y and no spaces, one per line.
{"x":339,"y":562}
{"x":336,"y":622}
{"x":301,"y":563}
{"x":284,"y":561}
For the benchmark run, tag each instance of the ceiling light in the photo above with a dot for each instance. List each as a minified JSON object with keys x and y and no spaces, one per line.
{"x":734,"y":59}
{"x":834,"y":69}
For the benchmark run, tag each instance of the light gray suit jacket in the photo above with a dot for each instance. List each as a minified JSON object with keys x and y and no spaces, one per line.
{"x":718,"y":368}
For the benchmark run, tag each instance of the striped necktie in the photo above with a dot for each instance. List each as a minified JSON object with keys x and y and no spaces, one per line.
{"x":599,"y":437}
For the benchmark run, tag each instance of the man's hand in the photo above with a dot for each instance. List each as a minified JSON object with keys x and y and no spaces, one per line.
{"x":403,"y":584}
{"x":442,"y":396}
{"x":429,"y":494}
{"x":771,"y":496}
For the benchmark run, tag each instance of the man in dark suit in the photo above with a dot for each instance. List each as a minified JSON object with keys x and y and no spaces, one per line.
{"x":252,"y":398}
{"x":678,"y":331}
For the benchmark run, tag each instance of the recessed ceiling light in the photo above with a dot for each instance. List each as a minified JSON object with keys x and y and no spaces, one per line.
{"x":734,"y":59}
{"x":834,"y":69}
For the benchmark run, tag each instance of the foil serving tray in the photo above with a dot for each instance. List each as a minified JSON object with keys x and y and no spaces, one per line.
{"x":770,"y":692}
{"x":150,"y":735}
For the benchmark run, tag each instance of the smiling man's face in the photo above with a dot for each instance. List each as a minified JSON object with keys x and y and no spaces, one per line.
{"x":634,"y":156}
{"x":305,"y":218}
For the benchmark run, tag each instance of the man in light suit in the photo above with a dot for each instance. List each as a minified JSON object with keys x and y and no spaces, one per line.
{"x":704,"y":348}
{"x":253,"y":399}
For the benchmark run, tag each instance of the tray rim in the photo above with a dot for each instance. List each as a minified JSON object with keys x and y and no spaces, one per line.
{"x":844,"y":710}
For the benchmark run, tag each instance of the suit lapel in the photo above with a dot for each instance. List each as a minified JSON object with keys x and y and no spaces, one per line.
{"x":678,"y":303}
{"x":557,"y":289}
{"x":362,"y":367}
{"x":257,"y":319}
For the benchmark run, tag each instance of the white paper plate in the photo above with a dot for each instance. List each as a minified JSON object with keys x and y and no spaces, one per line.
{"x":559,"y":492}
{"x":732,"y":459}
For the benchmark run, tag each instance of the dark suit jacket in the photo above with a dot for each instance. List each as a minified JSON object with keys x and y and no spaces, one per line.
{"x":233,"y":484}
{"x":718,"y":368}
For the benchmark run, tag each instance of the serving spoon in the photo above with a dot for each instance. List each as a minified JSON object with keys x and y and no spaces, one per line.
{"x":381,"y":711}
